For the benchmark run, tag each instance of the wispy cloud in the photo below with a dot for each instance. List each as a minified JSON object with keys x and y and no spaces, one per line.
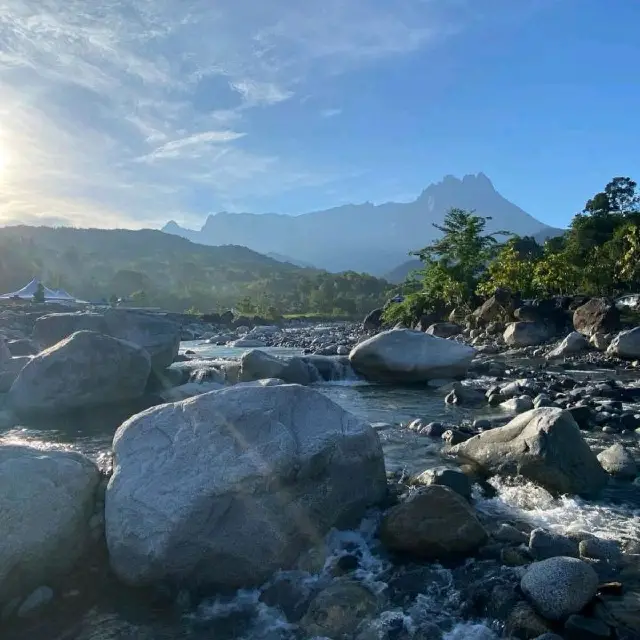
{"x":115,"y":112}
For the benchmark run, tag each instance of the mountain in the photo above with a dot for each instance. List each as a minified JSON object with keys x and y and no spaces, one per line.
{"x":174,"y":273}
{"x":364,"y":237}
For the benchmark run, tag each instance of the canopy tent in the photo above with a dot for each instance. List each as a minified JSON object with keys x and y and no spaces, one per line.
{"x":27,"y":292}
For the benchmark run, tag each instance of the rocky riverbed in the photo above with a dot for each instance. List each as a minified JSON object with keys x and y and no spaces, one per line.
{"x":504,"y":504}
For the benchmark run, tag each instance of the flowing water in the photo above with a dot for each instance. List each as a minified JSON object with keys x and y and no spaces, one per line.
{"x":112,"y":612}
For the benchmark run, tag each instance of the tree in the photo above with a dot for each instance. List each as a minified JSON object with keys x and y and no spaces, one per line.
{"x":246,"y":306}
{"x":511,"y":271}
{"x":629,"y":260}
{"x":455,"y":263}
{"x":38,"y":296}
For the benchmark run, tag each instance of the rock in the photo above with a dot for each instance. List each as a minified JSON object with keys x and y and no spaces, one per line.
{"x":543,"y":445}
{"x":432,"y":429}
{"x":189,"y":390}
{"x":433,"y":523}
{"x":583,"y":628}
{"x":463,"y":395}
{"x":41,"y":597}
{"x":515,"y":557}
{"x":85,"y":369}
{"x":599,"y":315}
{"x":258,"y":365}
{"x":526,"y":334}
{"x":574,"y":343}
{"x":23,"y":347}
{"x":266,"y":382}
{"x":542,"y":400}
{"x":494,"y":309}
{"x":600,"y":549}
{"x":559,"y":587}
{"x":546,"y":544}
{"x":247,"y":343}
{"x":455,"y":436}
{"x":626,"y":345}
{"x":524,"y":622}
{"x":617,"y":461}
{"x":600,"y":341}
{"x":403,"y":355}
{"x":225,"y":488}
{"x":47,"y":499}
{"x":9,"y":370}
{"x":159,"y":337}
{"x":444,"y":329}
{"x":338,"y":610}
{"x":582,"y":415}
{"x":455,"y":480}
{"x":373,"y":321}
{"x":517,"y":405}
{"x":508,"y":533}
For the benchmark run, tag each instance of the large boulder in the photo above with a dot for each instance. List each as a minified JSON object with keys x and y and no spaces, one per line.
{"x":225,"y":488}
{"x":547,"y":311}
{"x":497,"y":308}
{"x":47,"y":499}
{"x":403,"y":355}
{"x":87,"y":368}
{"x":599,"y":315}
{"x":526,"y":334}
{"x":157,"y":335}
{"x":444,"y":329}
{"x":435,"y":522}
{"x":626,"y":345}
{"x":258,"y":365}
{"x":558,"y":587}
{"x":545,"y":446}
{"x":373,"y":321}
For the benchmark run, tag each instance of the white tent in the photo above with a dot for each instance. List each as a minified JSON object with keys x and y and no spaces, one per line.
{"x":50,"y":295}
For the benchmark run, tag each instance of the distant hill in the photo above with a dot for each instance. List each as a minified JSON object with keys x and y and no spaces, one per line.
{"x":172,"y":272}
{"x":364,"y":237}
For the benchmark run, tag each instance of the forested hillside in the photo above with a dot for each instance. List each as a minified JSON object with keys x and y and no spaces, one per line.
{"x":157,"y":269}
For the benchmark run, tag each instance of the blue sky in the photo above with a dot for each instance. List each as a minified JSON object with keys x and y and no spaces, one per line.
{"x":133,"y":112}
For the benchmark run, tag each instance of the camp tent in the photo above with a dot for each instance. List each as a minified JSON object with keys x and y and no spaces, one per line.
{"x":50,"y":295}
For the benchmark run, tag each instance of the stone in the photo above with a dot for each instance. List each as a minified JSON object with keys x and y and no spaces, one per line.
{"x":601,"y":549}
{"x":494,"y":309}
{"x":599,"y":315}
{"x":546,"y":544}
{"x":524,"y":622}
{"x":455,"y":436}
{"x":9,"y":370}
{"x":582,"y":415}
{"x":626,"y":345}
{"x":403,"y":355}
{"x":600,"y":341}
{"x":188,"y":390}
{"x":463,"y":395}
{"x":514,"y":557}
{"x":526,"y":334}
{"x":431,"y":429}
{"x":373,"y":320}
{"x":225,"y":488}
{"x":543,"y":445}
{"x":583,"y":628}
{"x":338,"y":610}
{"x":455,"y":480}
{"x":85,"y":369}
{"x":559,"y":587}
{"x":444,"y":329}
{"x":542,"y":400}
{"x":258,"y":365}
{"x":508,"y":533}
{"x":39,"y":598}
{"x":247,"y":343}
{"x":574,"y":343}
{"x":47,"y":499}
{"x":618,"y":462}
{"x":517,"y":405}
{"x":159,"y":337}
{"x":433,"y":523}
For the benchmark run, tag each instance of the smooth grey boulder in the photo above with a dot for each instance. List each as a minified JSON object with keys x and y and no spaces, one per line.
{"x":526,"y":334}
{"x":618,"y":462}
{"x":626,"y":344}
{"x":404,"y":355}
{"x":228,"y":487}
{"x":47,"y":499}
{"x":560,"y":586}
{"x":157,"y":335}
{"x":574,"y":343}
{"x":545,"y":446}
{"x":258,"y":365}
{"x":85,"y":369}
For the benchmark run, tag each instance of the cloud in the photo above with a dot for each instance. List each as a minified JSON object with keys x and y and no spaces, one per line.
{"x":330,"y":113}
{"x":119,"y":111}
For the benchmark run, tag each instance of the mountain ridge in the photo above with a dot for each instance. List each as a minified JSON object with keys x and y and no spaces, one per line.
{"x":366,"y":237}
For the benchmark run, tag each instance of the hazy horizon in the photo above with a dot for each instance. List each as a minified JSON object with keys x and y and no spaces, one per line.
{"x":130,"y":113}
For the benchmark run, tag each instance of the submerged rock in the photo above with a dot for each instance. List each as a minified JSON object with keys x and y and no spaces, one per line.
{"x":85,"y":369}
{"x":225,"y":488}
{"x":403,"y":355}
{"x":617,"y":461}
{"x":558,"y":587}
{"x":544,"y":445}
{"x":47,"y":499}
{"x":434,"y":523}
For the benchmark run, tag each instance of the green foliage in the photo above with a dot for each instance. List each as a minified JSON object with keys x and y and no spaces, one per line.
{"x":151,"y":268}
{"x":408,"y":311}
{"x":509,"y":270}
{"x":38,"y":296}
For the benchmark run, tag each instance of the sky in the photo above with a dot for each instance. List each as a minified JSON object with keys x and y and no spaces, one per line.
{"x":129,"y":113}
